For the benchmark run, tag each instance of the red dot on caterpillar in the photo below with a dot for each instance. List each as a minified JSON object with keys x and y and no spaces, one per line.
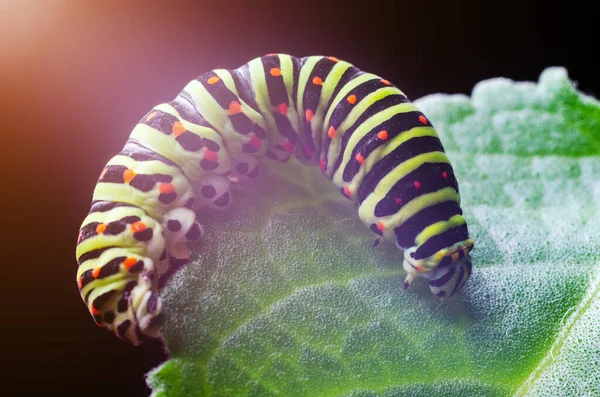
{"x":129,"y":262}
{"x":103,"y":173}
{"x":128,"y":175}
{"x":177,"y":129}
{"x":151,"y":116}
{"x":309,"y":115}
{"x":360,"y":158}
{"x":331,"y":132}
{"x":137,"y":226}
{"x":347,"y":192}
{"x":255,"y":142}
{"x":308,"y":152}
{"x":288,"y":146}
{"x":210,"y":155}
{"x":235,"y":107}
{"x":422,"y":119}
{"x":282,"y":108}
{"x":383,"y":135}
{"x":351,"y":99}
{"x":445,"y":175}
{"x":166,"y":188}
{"x":100,"y":228}
{"x":417,"y":184}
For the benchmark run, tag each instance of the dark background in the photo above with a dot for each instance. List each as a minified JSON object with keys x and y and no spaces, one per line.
{"x":75,"y":77}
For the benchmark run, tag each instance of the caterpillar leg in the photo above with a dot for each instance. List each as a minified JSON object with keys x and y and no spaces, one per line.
{"x":246,"y":166}
{"x":410,"y":277}
{"x":174,"y":263}
{"x":180,"y":226}
{"x":214,"y":192}
{"x":447,"y":281}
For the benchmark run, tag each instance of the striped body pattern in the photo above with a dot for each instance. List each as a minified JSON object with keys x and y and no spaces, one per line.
{"x":366,"y":136}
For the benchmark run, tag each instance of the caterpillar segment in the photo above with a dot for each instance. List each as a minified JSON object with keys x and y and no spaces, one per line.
{"x":363,"y":133}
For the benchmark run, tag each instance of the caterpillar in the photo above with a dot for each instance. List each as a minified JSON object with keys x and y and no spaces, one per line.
{"x":366,"y":136}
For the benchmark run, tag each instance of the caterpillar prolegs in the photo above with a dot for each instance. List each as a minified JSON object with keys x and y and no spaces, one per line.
{"x":363,"y":133}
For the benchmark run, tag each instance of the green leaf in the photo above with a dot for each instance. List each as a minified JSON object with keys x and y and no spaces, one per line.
{"x":287,"y":297}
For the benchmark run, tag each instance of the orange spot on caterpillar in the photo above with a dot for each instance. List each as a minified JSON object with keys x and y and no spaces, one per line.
{"x":211,"y":156}
{"x":351,"y":99}
{"x":417,"y":184}
{"x":270,"y":54}
{"x":445,"y":175}
{"x":384,"y":81}
{"x":166,"y":188}
{"x":309,"y":115}
{"x":137,"y":226}
{"x":398,"y":201}
{"x":420,"y":268}
{"x":360,"y":158}
{"x":128,"y":175}
{"x":331,"y":132}
{"x":151,"y":116}
{"x":255,"y":142}
{"x":308,"y":152}
{"x":334,"y":59}
{"x":347,"y":192}
{"x":380,"y":226}
{"x":317,"y":81}
{"x":95,"y":312}
{"x":422,"y":119}
{"x":103,"y":173}
{"x":177,"y":129}
{"x":282,"y":108}
{"x":288,"y":146}
{"x":383,"y":135}
{"x":213,"y":80}
{"x":235,"y":107}
{"x":79,"y":282}
{"x":100,"y":228}
{"x":96,"y":272}
{"x":322,"y":165}
{"x":129,"y":262}
{"x":79,"y":236}
{"x":276,"y":72}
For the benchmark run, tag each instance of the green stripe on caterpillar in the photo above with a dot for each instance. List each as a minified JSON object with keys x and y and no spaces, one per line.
{"x":366,"y":136}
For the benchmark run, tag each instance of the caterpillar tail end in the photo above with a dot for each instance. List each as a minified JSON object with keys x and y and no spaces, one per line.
{"x":143,"y":319}
{"x":445,"y":280}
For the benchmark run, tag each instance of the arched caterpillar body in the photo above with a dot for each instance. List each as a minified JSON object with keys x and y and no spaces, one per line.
{"x":363,"y":132}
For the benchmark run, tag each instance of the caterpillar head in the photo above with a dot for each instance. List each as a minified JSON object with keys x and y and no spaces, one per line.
{"x":447,"y":271}
{"x":126,"y":304}
{"x":447,"y":280}
{"x":143,"y":314}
